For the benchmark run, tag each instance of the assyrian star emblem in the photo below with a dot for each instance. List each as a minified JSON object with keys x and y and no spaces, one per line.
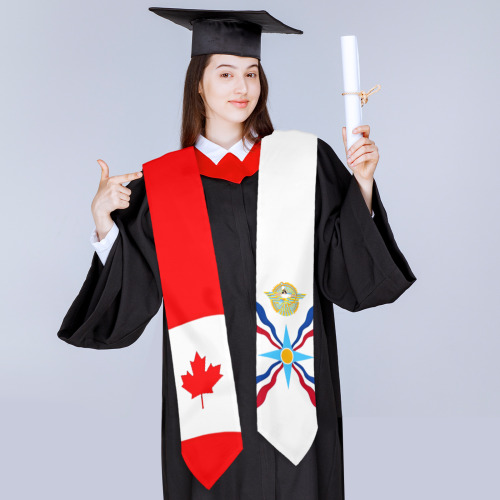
{"x":287,"y":355}
{"x":284,"y":298}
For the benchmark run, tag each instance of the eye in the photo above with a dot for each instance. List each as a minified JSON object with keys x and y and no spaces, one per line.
{"x":255,"y":75}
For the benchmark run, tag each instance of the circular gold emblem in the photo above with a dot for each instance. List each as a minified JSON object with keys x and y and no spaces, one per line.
{"x":284,"y":298}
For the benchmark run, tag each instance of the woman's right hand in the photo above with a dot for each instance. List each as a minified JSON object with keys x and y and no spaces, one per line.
{"x":110,"y":196}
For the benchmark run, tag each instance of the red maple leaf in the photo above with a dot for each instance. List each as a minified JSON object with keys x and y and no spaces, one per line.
{"x":201,"y":381}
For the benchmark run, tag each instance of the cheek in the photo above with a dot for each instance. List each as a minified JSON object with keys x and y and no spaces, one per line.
{"x":214,"y":88}
{"x":215,"y":96}
{"x":255,"y":89}
{"x":222,"y":92}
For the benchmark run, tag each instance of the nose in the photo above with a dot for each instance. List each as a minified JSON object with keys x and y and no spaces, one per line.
{"x":241,"y":85}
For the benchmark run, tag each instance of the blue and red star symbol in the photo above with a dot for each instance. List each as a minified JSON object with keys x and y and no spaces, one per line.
{"x":286,"y":354}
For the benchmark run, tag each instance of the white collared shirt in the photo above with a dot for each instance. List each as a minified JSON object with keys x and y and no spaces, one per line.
{"x":216,"y":152}
{"x":208,"y":148}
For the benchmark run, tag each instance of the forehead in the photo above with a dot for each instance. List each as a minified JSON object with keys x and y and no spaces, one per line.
{"x":232,"y":60}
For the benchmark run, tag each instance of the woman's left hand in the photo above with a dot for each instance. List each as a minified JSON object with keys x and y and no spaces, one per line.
{"x":362,"y":156}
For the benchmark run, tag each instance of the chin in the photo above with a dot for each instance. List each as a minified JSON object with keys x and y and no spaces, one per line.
{"x":238,"y":117}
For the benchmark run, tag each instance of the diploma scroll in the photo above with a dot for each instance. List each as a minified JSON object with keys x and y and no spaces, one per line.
{"x":355,"y":98}
{"x":350,"y":69}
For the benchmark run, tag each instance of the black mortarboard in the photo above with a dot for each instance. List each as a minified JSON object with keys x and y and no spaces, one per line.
{"x":234,"y":32}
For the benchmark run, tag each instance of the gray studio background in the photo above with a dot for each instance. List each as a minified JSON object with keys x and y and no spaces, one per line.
{"x":420,"y":377}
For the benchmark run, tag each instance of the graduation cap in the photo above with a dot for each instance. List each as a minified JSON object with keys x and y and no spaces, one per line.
{"x":234,"y":32}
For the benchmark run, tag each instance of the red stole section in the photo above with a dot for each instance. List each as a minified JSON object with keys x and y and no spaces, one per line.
{"x":183,"y":238}
{"x":230,"y":167}
{"x":211,"y":455}
{"x":191,"y":291}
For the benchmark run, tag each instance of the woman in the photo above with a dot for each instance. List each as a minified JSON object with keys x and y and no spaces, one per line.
{"x":357,"y":265}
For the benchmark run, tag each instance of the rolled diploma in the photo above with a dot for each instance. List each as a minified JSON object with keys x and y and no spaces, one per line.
{"x":350,"y":69}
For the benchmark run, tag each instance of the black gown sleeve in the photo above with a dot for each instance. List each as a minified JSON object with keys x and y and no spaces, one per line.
{"x":118,"y":299}
{"x":358,"y":262}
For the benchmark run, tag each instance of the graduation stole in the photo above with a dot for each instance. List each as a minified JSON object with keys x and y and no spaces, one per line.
{"x":206,"y":395}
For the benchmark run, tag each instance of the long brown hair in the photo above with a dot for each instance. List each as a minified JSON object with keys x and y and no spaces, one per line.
{"x":193,"y":108}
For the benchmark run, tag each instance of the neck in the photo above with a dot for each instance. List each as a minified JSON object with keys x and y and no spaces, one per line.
{"x":222,"y":133}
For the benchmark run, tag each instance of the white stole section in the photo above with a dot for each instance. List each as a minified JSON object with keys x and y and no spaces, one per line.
{"x":285,"y":253}
{"x":219,"y":413}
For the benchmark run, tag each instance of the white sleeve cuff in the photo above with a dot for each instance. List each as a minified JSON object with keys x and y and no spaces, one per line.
{"x":104,"y":246}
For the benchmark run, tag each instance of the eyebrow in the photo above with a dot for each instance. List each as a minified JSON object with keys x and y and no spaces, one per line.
{"x":234,"y":67}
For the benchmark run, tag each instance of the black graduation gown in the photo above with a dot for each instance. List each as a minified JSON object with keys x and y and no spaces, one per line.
{"x":357,"y":265}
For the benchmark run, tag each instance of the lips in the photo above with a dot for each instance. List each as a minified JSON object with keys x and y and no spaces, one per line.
{"x":239,"y":104}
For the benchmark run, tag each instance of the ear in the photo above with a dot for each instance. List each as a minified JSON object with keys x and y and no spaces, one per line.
{"x":200,"y":89}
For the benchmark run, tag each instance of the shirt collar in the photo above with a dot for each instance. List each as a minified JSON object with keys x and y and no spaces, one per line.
{"x":216,"y":152}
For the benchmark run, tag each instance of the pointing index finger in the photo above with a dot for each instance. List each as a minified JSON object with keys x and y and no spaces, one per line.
{"x":118,"y":179}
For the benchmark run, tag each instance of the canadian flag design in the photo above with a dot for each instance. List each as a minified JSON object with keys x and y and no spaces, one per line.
{"x":206,"y":395}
